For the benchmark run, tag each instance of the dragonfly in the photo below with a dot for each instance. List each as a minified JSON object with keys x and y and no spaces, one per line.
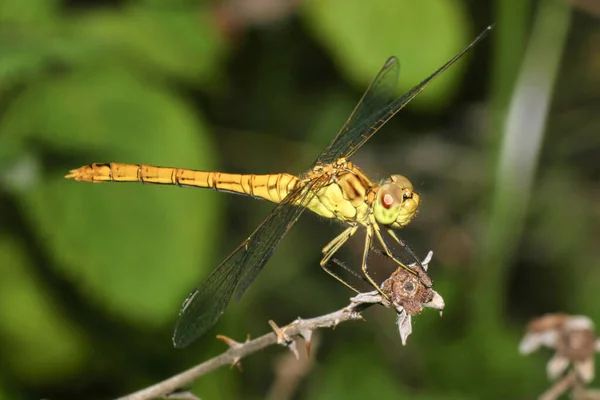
{"x":332,"y":188}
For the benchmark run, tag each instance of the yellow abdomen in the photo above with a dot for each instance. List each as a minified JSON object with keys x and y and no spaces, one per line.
{"x":272,"y":187}
{"x":339,"y":194}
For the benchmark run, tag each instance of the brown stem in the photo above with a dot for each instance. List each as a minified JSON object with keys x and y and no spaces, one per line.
{"x":241,"y":350}
{"x":559,"y":387}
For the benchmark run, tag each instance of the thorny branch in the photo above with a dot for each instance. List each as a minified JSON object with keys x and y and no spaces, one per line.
{"x":237,"y":351}
{"x":407,"y":295}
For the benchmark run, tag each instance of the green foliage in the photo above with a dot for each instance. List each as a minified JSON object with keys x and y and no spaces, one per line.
{"x":32,"y":326}
{"x":131,"y":270}
{"x":423,"y":34}
{"x":344,"y":377}
{"x":92,"y":87}
{"x":28,"y":11}
{"x":168,"y":43}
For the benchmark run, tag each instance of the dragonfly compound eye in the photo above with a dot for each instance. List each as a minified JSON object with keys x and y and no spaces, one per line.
{"x":396,"y":202}
{"x":401,"y":182}
{"x":387,"y":200}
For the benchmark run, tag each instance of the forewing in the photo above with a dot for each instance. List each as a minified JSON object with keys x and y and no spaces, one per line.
{"x":205,"y":305}
{"x":378,"y":96}
{"x":377,"y":107}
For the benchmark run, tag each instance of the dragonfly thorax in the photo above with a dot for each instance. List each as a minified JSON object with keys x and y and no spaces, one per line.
{"x":396,"y":202}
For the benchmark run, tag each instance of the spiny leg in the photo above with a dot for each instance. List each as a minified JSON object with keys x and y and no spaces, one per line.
{"x":418,"y":267}
{"x":408,"y":249}
{"x":332,"y":247}
{"x":368,"y":242}
{"x":386,"y":247}
{"x":343,"y":265}
{"x":339,"y":278}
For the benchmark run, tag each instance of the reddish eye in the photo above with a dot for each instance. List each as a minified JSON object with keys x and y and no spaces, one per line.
{"x":387,"y":200}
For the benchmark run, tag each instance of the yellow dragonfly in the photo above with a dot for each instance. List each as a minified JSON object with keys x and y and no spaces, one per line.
{"x":333,"y":188}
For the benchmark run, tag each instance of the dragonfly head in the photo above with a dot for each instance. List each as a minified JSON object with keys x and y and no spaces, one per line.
{"x":396,"y":203}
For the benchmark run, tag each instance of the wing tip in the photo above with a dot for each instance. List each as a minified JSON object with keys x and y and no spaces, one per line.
{"x":180,"y":342}
{"x":182,"y":339}
{"x":391,"y":60}
{"x":483,"y":34}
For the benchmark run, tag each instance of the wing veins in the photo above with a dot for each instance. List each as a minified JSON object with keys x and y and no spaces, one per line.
{"x":210,"y":299}
{"x":365,"y":120}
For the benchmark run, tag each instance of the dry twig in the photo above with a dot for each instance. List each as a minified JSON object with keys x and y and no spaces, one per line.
{"x":406,"y":293}
{"x":237,"y":351}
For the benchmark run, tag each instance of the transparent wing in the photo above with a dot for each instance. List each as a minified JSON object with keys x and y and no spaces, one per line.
{"x":377,"y":106}
{"x":205,"y":305}
{"x":378,"y":96}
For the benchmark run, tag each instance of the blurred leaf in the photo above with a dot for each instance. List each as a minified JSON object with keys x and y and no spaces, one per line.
{"x":27,"y":11}
{"x":182,"y":43}
{"x":357,"y":374}
{"x":333,"y":109}
{"x":31,"y":327}
{"x":160,"y":238}
{"x":12,"y":148}
{"x":25,"y":53}
{"x":422,"y":34}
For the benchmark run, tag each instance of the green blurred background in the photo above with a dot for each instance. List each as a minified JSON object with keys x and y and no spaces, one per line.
{"x":92,"y":276}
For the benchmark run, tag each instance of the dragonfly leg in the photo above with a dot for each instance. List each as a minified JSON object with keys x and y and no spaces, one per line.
{"x":386,"y":248}
{"x":339,"y":278}
{"x":408,"y":249}
{"x":343,"y":265}
{"x":332,"y":247}
{"x":368,"y":243}
{"x":421,"y":270}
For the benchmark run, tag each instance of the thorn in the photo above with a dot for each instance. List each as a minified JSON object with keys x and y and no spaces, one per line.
{"x":234,"y":345}
{"x":297,"y":321}
{"x":237,"y":363}
{"x":229,"y":341}
{"x":335,"y":323}
{"x":307,"y":335}
{"x":282,"y":337}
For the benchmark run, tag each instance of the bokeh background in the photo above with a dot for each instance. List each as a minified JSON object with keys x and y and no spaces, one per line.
{"x":503,"y":149}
